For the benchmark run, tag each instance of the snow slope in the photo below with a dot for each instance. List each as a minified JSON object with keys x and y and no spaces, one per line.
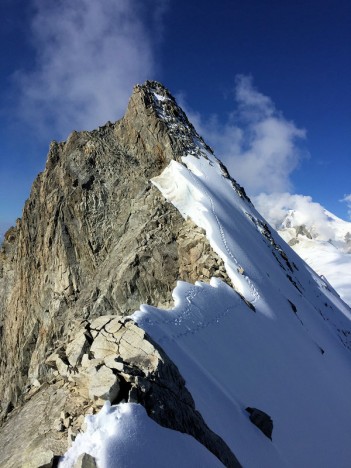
{"x":289,"y":358}
{"x":280,"y":342}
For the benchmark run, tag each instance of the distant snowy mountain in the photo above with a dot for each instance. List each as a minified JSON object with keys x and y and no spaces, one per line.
{"x":322,"y":239}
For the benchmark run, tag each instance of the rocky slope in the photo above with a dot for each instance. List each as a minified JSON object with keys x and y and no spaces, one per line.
{"x":96,"y":238}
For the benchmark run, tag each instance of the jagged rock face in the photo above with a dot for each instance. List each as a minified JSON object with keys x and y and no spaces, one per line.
{"x":96,"y":237}
{"x":7,"y":255}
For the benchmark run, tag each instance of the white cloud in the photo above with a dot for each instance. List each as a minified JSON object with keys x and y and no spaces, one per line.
{"x":253,"y":105}
{"x":257,"y":143}
{"x":274,"y":207}
{"x":347,"y":200}
{"x":89,"y":54}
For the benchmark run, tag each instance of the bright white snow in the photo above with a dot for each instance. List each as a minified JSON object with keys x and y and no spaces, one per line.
{"x":205,"y":196}
{"x":124,"y":436}
{"x":159,"y":97}
{"x":291,"y":365}
{"x":232,"y":358}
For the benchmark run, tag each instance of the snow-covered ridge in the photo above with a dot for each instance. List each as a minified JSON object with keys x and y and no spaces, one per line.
{"x":186,"y":187}
{"x":329,"y":229}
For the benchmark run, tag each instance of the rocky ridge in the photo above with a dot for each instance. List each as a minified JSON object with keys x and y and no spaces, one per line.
{"x":97,"y":239}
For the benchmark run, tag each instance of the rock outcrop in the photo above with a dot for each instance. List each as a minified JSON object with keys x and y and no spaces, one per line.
{"x":110,"y":359}
{"x":262,"y":420}
{"x":300,"y":231}
{"x":97,"y":239}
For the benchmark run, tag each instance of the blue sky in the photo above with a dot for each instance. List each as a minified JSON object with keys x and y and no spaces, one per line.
{"x":267,"y":83}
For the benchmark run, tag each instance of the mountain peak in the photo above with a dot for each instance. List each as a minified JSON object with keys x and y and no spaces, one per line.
{"x":152,"y":100}
{"x":141,"y":277}
{"x":155,"y":87}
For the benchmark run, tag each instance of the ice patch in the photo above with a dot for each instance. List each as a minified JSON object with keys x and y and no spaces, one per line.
{"x":159,"y":97}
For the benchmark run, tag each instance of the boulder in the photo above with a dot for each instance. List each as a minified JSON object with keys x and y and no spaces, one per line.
{"x":76,"y":348}
{"x":85,"y":461}
{"x":262,"y":420}
{"x":104,"y":385}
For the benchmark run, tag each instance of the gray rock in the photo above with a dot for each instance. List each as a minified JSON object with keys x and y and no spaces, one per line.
{"x":29,"y":435}
{"x":102,"y":347}
{"x":76,"y":348}
{"x":303,"y":231}
{"x":40,"y":459}
{"x":293,"y":241}
{"x":104,"y":385}
{"x":262,"y":420}
{"x":85,"y":461}
{"x":347,"y":239}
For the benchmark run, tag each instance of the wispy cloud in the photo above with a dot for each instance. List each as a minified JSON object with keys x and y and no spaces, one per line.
{"x":347,"y":200}
{"x":89,"y":54}
{"x":257,"y":143}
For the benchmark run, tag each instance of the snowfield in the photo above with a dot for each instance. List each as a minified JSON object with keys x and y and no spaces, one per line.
{"x":279,"y":341}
